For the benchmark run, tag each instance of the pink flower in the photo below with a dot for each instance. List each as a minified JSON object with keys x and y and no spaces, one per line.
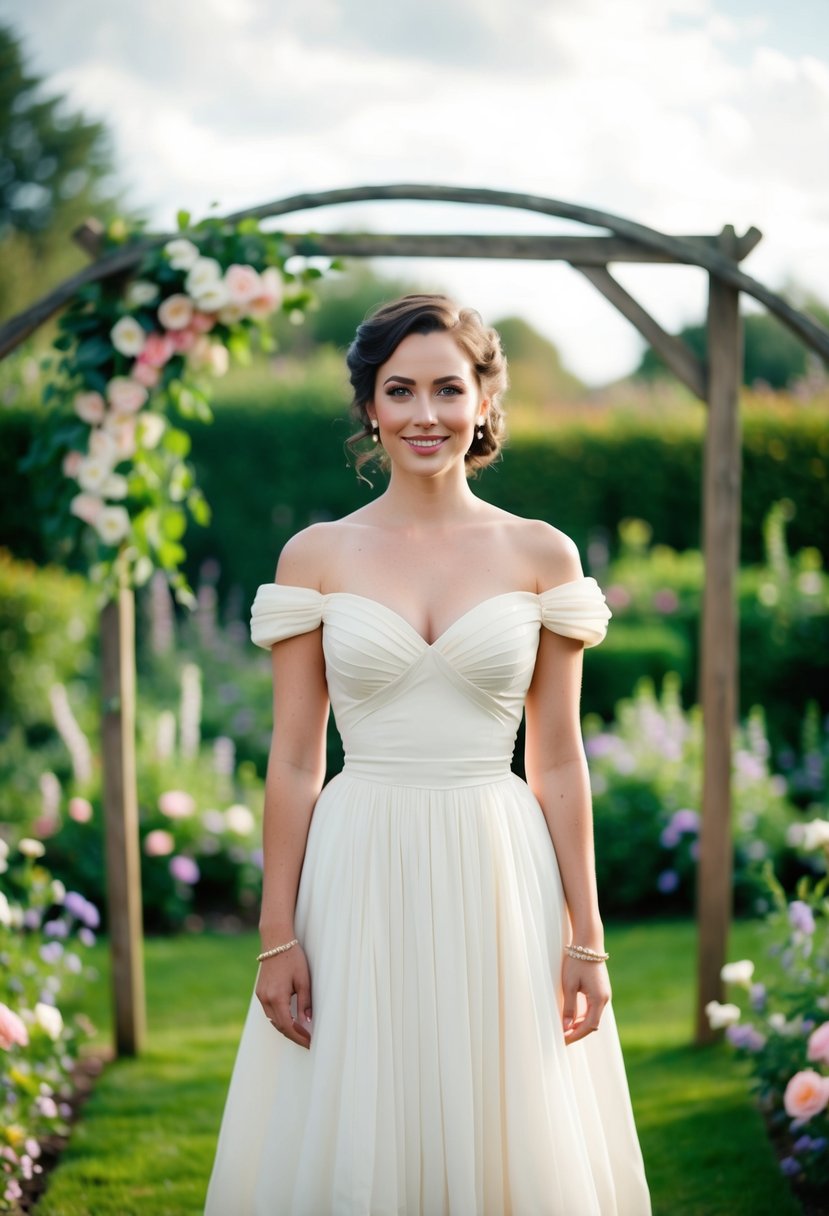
{"x":157,"y":349}
{"x":185,"y":869}
{"x":184,"y":339}
{"x":12,"y":1029}
{"x":125,"y":396}
{"x":806,"y":1094}
{"x":242,"y":283}
{"x":89,"y":407}
{"x":176,"y":804}
{"x":818,"y":1049}
{"x":72,"y":463}
{"x":159,"y":843}
{"x":202,"y":322}
{"x":617,"y":596}
{"x":87,"y":507}
{"x":144,"y":373}
{"x":666,"y":600}
{"x":270,"y":294}
{"x":80,"y":809}
{"x":176,"y":312}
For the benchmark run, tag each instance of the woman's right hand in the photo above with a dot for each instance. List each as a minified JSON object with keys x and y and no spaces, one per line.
{"x":280,"y":977}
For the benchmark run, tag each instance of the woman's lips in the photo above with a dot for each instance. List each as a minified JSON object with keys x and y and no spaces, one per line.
{"x":426,"y":444}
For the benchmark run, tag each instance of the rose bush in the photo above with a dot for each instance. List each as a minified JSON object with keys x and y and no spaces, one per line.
{"x":783,"y":1028}
{"x":44,"y":932}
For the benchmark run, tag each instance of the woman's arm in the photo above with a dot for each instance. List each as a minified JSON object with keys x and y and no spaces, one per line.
{"x":295,"y":775}
{"x":557,"y":773}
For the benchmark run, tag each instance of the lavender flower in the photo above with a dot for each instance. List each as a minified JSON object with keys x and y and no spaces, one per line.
{"x":801,"y":917}
{"x":184,"y":869}
{"x":667,"y":881}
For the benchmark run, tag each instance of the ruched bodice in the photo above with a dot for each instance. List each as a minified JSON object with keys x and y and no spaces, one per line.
{"x":430,"y":714}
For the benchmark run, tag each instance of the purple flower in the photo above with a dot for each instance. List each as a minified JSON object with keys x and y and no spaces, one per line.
{"x":685,"y":820}
{"x":56,"y":928}
{"x":184,"y":869}
{"x":86,"y":936}
{"x":790,"y":1166}
{"x":669,"y":837}
{"x":50,"y":952}
{"x":802,"y":1144}
{"x":31,"y":918}
{"x":667,"y":881}
{"x":801,"y":917}
{"x":81,"y":908}
{"x":819,"y":1143}
{"x":665,"y":600}
{"x":757,"y":997}
{"x":745,"y":1037}
{"x":257,"y":857}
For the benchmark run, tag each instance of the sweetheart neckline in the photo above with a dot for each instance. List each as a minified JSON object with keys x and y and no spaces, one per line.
{"x":416,"y":633}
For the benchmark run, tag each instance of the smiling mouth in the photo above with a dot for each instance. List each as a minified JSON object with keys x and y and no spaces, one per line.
{"x":425,"y":444}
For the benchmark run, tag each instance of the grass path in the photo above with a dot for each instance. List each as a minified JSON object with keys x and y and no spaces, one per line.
{"x":144,"y":1146}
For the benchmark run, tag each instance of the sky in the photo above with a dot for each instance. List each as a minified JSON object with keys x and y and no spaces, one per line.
{"x":684,"y":115}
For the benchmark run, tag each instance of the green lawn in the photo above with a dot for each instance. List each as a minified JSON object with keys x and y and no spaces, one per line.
{"x":145,"y":1143}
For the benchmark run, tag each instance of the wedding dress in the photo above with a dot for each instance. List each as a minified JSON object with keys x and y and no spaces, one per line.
{"x":431,"y":911}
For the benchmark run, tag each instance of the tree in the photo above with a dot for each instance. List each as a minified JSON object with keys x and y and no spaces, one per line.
{"x":56,"y":168}
{"x":536,"y":373}
{"x":773,"y":355}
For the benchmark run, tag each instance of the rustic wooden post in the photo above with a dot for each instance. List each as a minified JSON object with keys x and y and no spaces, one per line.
{"x":719,"y":636}
{"x":123,"y":861}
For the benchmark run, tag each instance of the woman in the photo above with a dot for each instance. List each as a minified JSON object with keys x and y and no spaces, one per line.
{"x":430,"y":1031}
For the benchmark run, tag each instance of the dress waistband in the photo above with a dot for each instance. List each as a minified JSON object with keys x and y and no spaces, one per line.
{"x":428,"y":772}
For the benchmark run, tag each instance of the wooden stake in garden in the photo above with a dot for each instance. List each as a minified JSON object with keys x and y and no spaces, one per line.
{"x":123,"y":858}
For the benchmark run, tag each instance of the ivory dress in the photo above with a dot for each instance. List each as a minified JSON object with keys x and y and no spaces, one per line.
{"x":431,"y":911}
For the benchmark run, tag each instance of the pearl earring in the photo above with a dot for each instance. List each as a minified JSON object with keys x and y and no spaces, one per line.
{"x":375,"y":438}
{"x":479,"y":434}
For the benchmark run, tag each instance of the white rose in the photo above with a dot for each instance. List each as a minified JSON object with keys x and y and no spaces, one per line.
{"x":102,"y":445}
{"x":87,"y":507}
{"x":125,"y":396}
{"x":5,"y":911}
{"x":122,"y":430}
{"x":115,"y":486}
{"x":141,"y":292}
{"x":182,"y":253}
{"x":128,"y":337}
{"x":58,"y":891}
{"x":49,"y":1018}
{"x":90,"y":407}
{"x":112,"y":524}
{"x":203,"y":273}
{"x":150,"y":429}
{"x":30,"y":848}
{"x":777,"y":1021}
{"x":721,"y":1015}
{"x":239,"y":819}
{"x":231,"y":313}
{"x":738,"y":973}
{"x":815,"y":834}
{"x":93,"y":474}
{"x":219,"y":359}
{"x":211,"y":296}
{"x":176,"y":312}
{"x":71,"y":463}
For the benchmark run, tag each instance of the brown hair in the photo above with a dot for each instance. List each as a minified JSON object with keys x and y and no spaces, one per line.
{"x":383,"y":331}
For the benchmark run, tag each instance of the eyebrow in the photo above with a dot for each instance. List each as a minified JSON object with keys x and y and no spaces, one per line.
{"x":439,"y":380}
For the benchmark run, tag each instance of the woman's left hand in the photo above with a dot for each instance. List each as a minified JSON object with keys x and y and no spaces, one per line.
{"x":580,"y":1017}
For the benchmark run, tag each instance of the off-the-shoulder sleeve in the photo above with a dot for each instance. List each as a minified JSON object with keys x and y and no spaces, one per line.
{"x":576,"y":609}
{"x":279,"y":611}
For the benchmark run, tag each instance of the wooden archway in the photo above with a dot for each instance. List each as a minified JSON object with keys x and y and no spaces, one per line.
{"x":715,"y":381}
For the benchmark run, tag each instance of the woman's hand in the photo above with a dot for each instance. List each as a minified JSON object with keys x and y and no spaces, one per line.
{"x":280,"y":977}
{"x":590,"y":980}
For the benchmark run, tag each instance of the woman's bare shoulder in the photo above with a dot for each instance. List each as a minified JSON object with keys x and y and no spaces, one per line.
{"x":309,"y":554}
{"x":551,"y":555}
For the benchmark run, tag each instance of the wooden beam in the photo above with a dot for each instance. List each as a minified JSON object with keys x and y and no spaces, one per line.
{"x":719,"y":637}
{"x":677,"y":354}
{"x":123,"y":859}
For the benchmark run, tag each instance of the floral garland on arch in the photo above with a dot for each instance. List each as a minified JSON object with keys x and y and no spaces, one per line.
{"x":131,"y":352}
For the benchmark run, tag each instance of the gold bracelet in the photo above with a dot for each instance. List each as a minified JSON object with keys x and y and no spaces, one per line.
{"x":585,"y":954}
{"x":276,"y":950}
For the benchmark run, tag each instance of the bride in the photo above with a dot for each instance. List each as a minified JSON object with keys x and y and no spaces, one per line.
{"x":431,"y":1029}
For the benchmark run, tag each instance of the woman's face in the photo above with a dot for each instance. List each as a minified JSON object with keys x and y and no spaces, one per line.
{"x":427,"y":401}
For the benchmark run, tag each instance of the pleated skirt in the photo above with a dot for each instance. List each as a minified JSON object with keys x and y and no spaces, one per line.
{"x":438,"y":1082}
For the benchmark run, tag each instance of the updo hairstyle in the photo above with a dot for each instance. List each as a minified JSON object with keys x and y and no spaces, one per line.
{"x":383,"y":331}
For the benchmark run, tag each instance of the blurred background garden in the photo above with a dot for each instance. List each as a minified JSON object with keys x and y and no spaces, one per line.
{"x":617,"y":466}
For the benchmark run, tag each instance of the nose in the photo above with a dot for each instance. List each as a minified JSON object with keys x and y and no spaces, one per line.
{"x":423,"y":409}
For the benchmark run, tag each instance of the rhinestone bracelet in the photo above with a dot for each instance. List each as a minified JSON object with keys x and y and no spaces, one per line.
{"x":276,"y":950}
{"x":585,"y":954}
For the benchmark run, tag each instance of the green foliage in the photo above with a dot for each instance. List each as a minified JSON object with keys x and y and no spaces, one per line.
{"x":536,"y":372}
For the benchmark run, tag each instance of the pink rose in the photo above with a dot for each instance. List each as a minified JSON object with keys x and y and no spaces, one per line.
{"x":818,"y":1048}
{"x":176,"y":804}
{"x":125,"y":396}
{"x":183,"y":340}
{"x":87,"y":507}
{"x":176,"y":312}
{"x":202,"y":322}
{"x":242,"y":283}
{"x":80,"y":809}
{"x":159,"y":843}
{"x":270,"y":294}
{"x":144,"y":373}
{"x":89,"y":407}
{"x":72,"y":463}
{"x":12,"y":1029}
{"x":157,"y":349}
{"x":806,"y":1094}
